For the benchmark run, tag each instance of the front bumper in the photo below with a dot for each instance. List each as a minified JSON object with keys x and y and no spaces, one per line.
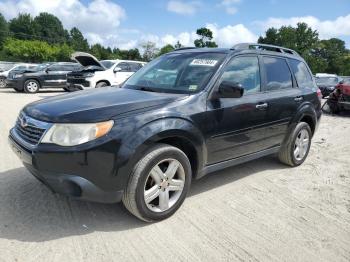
{"x":82,"y":174}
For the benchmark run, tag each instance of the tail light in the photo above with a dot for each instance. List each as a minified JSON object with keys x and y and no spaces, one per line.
{"x":319,"y":94}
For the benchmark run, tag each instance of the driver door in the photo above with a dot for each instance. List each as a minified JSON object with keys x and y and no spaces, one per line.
{"x":124,"y":72}
{"x":237,"y":124}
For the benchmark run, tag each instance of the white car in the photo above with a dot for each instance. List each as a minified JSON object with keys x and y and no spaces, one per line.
{"x":97,"y":74}
{"x":7,"y":68}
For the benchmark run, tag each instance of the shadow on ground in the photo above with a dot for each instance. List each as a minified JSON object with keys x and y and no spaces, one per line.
{"x":29,"y":212}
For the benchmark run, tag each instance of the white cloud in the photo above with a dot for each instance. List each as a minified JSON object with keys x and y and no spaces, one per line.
{"x":326,"y":28}
{"x":229,"y":6}
{"x":98,"y":19}
{"x":230,"y":35}
{"x":226,"y":36}
{"x":183,"y":8}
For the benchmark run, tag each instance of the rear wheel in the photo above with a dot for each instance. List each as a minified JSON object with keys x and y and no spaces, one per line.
{"x":158,"y":184}
{"x":31,"y":86}
{"x":2,"y":82}
{"x":295,"y":150}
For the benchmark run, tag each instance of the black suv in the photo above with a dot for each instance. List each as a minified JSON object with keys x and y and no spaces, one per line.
{"x":49,"y":75}
{"x":184,"y":115}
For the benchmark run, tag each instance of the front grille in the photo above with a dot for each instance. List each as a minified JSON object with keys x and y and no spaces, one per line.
{"x":28,"y":131}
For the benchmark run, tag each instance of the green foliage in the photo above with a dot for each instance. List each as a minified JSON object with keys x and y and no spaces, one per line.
{"x":206,"y":35}
{"x":3,"y":30}
{"x":166,"y":49}
{"x":50,"y":28}
{"x":329,"y":56}
{"x":23,"y":27}
{"x":35,"y":51}
{"x":77,"y":40}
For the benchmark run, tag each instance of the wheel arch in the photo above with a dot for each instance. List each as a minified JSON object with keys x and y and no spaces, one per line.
{"x":103,"y":81}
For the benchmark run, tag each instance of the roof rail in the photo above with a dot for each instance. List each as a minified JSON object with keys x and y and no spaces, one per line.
{"x":184,"y":48}
{"x":273,"y":48}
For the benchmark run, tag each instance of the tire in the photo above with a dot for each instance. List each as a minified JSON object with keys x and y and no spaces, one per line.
{"x":145,"y":177}
{"x":2,"y":82}
{"x":31,"y":86}
{"x":101,"y":84}
{"x":287,"y":153}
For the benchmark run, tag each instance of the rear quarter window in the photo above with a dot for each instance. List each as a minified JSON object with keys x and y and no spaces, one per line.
{"x":301,"y":73}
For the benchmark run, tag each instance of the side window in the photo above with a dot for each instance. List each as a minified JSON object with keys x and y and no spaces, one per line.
{"x":55,"y":68}
{"x":125,"y":67}
{"x":278,"y":75}
{"x":302,"y":74}
{"x":135,"y":67}
{"x":245,"y":71}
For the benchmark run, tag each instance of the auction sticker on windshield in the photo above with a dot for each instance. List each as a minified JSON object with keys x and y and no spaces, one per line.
{"x":204,"y":62}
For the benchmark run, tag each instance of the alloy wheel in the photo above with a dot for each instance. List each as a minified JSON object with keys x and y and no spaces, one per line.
{"x":164,"y":185}
{"x":32,"y":87}
{"x":301,"y":145}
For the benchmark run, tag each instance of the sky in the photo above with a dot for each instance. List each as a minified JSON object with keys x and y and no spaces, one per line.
{"x":129,"y":23}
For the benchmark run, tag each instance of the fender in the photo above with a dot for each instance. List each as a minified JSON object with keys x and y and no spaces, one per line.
{"x":138,"y":143}
{"x":305,"y":109}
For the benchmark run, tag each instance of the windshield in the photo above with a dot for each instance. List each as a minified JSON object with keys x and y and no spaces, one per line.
{"x":346,"y":80}
{"x":107,"y":64}
{"x":327,"y":80}
{"x":176,"y":73}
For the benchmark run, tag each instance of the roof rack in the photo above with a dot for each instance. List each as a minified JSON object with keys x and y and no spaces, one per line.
{"x":273,"y":48}
{"x":184,"y":48}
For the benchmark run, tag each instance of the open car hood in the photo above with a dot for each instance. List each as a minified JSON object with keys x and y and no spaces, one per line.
{"x":86,"y":59}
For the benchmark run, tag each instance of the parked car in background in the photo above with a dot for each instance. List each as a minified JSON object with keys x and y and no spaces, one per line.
{"x":49,"y":75}
{"x":327,"y":83}
{"x":184,"y":115}
{"x":9,"y":67}
{"x":97,"y":73}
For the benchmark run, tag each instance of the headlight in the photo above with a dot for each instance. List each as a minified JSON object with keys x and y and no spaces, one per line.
{"x":17,"y":75}
{"x":89,"y":74}
{"x":76,"y":134}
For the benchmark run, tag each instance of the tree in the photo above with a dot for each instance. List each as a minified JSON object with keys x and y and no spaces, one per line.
{"x":3,"y":30}
{"x":100,"y":52}
{"x":49,"y":28}
{"x":77,"y":40}
{"x":206,"y":35}
{"x":178,"y":45}
{"x":166,"y":49}
{"x":23,"y":27}
{"x":150,"y":51}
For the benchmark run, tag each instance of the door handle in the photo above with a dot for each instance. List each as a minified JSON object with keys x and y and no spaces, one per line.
{"x":261,"y":106}
{"x":298,"y":99}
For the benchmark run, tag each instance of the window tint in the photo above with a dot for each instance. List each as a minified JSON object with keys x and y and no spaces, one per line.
{"x":302,"y":74}
{"x":245,"y":71}
{"x":278,"y":75}
{"x":125,"y":67}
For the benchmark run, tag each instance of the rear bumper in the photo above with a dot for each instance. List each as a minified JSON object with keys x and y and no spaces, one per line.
{"x":72,"y":174}
{"x":14,"y":83}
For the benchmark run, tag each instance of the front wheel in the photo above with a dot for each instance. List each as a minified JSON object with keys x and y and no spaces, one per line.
{"x":158,"y":184}
{"x":31,"y":86}
{"x":101,"y":84}
{"x":295,"y":150}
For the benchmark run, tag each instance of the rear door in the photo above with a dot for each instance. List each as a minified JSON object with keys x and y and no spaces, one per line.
{"x":56,"y":75}
{"x":283,"y":97}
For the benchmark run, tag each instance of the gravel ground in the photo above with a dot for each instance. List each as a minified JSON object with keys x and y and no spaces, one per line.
{"x":258,"y":211}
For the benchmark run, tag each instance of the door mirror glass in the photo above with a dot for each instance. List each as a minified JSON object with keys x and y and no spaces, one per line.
{"x":229,"y":89}
{"x":117,"y":69}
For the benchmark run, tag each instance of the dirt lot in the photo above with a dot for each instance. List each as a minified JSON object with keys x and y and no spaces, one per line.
{"x":258,"y":211}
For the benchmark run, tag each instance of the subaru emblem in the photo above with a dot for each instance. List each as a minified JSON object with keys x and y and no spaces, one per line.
{"x":23,"y":121}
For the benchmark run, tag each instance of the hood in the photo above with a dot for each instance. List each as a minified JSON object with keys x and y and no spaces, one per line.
{"x":96,"y":105}
{"x":86,"y":59}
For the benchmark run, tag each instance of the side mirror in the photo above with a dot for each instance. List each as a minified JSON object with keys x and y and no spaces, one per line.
{"x":230,"y":90}
{"x":47,"y":70}
{"x":341,"y":82}
{"x":117,"y":69}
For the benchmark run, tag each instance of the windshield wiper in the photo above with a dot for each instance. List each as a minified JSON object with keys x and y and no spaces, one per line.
{"x":143,"y":88}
